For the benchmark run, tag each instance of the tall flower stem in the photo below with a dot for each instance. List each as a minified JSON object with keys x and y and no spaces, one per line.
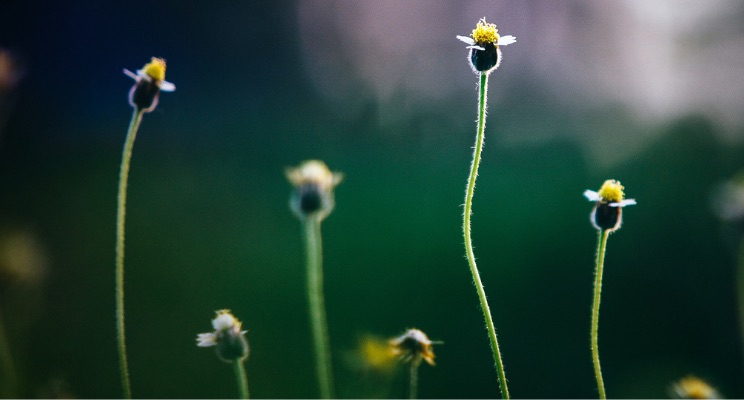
{"x":483,"y":88}
{"x":120,"y":217}
{"x":242,"y":378}
{"x":413,"y":379}
{"x":601,"y":245}
{"x":314,"y":250}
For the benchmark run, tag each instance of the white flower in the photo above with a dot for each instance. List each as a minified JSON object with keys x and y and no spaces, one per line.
{"x":227,"y":336}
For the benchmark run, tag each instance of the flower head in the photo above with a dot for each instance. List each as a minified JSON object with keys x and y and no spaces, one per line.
{"x":610,"y":199}
{"x":728,"y":200}
{"x":227,"y":336}
{"x":413,"y":346}
{"x":314,"y":184}
{"x":484,"y":42}
{"x":149,"y":82}
{"x":692,"y":387}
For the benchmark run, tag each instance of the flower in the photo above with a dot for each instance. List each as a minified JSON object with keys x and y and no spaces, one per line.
{"x":692,"y":387}
{"x":149,"y":82}
{"x":314,"y":184}
{"x":610,"y":200}
{"x":413,"y":346}
{"x":728,"y":200}
{"x":227,"y":336}
{"x":485,"y":55}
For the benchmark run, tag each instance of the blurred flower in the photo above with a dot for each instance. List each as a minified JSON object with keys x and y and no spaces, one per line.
{"x":314,"y":184}
{"x":150,"y":81}
{"x":692,"y":387}
{"x":728,"y":200}
{"x":610,"y":200}
{"x":22,"y":259}
{"x":11,"y":71}
{"x":485,"y":55}
{"x":227,"y":336}
{"x":413,"y":346}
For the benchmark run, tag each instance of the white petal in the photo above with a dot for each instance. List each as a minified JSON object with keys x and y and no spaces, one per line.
{"x":628,"y":202}
{"x":166,"y":86}
{"x":130,"y":74}
{"x":506,"y":40}
{"x":591,"y":195}
{"x":223,"y":321}
{"x":466,"y":39}
{"x":475,"y":47}
{"x":206,"y":339}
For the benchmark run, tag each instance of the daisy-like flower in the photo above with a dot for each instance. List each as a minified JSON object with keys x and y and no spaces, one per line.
{"x":692,"y":387}
{"x":484,"y":42}
{"x":608,"y":210}
{"x":314,"y":184}
{"x":227,"y":337}
{"x":413,"y":346}
{"x":149,"y":82}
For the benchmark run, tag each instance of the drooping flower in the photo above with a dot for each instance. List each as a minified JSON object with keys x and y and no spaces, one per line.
{"x":149,"y":82}
{"x":413,"y":346}
{"x":227,"y":337}
{"x":692,"y":387}
{"x":484,"y":42}
{"x":610,"y":200}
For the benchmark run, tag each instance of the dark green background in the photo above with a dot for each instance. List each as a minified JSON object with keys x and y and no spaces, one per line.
{"x":208,"y":224}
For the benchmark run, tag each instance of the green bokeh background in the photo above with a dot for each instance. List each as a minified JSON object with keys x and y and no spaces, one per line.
{"x":208,"y":224}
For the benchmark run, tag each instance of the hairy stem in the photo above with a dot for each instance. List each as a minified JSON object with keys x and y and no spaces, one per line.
{"x":601,"y":245}
{"x":483,"y":87}
{"x":120,"y":217}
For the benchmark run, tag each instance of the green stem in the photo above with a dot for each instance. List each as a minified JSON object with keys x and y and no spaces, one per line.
{"x":314,"y":248}
{"x":601,"y":245}
{"x":120,"y":217}
{"x":413,"y":374}
{"x":468,"y":241}
{"x":242,"y":378}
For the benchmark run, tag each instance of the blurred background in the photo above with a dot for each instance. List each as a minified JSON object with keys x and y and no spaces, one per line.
{"x":647,"y":92}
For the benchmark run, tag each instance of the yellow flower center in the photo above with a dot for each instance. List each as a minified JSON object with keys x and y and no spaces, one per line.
{"x":485,"y":33}
{"x":612,"y":191}
{"x":155,"y":69}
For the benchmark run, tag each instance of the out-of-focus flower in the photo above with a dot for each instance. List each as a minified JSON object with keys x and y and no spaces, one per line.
{"x":692,"y":387}
{"x":413,"y":346}
{"x":314,"y":184}
{"x":149,"y":82}
{"x":227,"y":337}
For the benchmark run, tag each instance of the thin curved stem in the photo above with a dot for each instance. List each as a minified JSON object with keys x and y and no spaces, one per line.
{"x":120,"y":217}
{"x":242,"y":378}
{"x":468,"y":241}
{"x":314,"y":248}
{"x":601,"y":246}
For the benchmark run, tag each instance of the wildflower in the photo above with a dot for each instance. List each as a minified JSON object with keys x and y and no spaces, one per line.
{"x":728,"y":200}
{"x":227,"y":336}
{"x":314,"y":184}
{"x":413,"y":346}
{"x":150,"y":81}
{"x":485,"y":55}
{"x":692,"y":387}
{"x":610,"y":200}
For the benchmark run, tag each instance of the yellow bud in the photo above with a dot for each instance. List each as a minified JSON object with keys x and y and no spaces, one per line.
{"x":485,"y":32}
{"x":155,"y":69}
{"x":612,"y":191}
